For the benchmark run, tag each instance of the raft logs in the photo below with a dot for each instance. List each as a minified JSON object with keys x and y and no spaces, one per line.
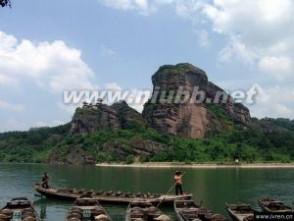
{"x":92,"y":193}
{"x":94,"y":211}
{"x":27,"y":214}
{"x":76,"y":214}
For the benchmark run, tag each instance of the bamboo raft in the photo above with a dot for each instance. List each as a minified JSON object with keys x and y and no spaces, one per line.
{"x":240,"y":212}
{"x":87,"y":209}
{"x":20,"y":209}
{"x":109,"y":196}
{"x":188,"y":210}
{"x":274,"y":206}
{"x":145,"y":211}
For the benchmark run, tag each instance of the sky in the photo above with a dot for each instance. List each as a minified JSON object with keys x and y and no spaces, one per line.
{"x":47,"y":47}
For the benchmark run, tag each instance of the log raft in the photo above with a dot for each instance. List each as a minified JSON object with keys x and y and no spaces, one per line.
{"x":20,"y":209}
{"x":87,"y":209}
{"x":240,"y":212}
{"x":145,"y":211}
{"x":188,"y":210}
{"x":109,"y":197}
{"x":274,"y":206}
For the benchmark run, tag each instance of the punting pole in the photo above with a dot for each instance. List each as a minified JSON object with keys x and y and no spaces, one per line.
{"x":170,"y":189}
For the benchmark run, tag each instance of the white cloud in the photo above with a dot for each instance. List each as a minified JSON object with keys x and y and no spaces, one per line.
{"x":237,"y":50}
{"x":113,"y":86}
{"x":140,"y":5}
{"x":4,"y":105}
{"x":254,"y":29}
{"x":119,"y":4}
{"x":250,"y":18}
{"x":263,"y":30}
{"x":7,"y":41}
{"x":279,"y":67}
{"x":107,"y":51}
{"x":53,"y":66}
{"x":147,"y":7}
{"x":188,"y":8}
{"x":203,"y":38}
{"x":274,"y":102}
{"x":6,"y":80}
{"x":278,"y":11}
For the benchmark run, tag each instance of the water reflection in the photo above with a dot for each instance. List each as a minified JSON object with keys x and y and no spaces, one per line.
{"x":43,"y":211}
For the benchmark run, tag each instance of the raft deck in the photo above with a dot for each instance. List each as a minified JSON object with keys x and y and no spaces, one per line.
{"x":109,"y":197}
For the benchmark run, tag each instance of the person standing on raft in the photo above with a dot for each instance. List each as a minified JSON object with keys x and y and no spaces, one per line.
{"x":178,"y":182}
{"x":45,"y":181}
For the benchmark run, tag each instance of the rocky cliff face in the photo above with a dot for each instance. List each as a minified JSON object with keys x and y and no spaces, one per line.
{"x":237,"y":111}
{"x":180,"y":99}
{"x":89,"y":119}
{"x":92,"y":118}
{"x":127,"y":116}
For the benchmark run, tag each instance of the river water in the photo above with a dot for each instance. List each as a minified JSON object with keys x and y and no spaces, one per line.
{"x":213,"y":187}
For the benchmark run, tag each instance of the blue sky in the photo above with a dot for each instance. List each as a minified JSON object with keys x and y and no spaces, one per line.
{"x":47,"y":47}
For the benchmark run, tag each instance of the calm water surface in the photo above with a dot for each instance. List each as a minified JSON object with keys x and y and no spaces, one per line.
{"x":212,"y":186}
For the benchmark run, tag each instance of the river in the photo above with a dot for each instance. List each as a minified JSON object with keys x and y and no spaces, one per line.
{"x":213,"y":187}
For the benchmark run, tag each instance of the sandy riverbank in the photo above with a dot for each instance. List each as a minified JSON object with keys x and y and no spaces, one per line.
{"x":198,"y":166}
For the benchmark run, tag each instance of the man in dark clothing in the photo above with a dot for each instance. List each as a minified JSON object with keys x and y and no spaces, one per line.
{"x":45,"y":181}
{"x":178,"y":183}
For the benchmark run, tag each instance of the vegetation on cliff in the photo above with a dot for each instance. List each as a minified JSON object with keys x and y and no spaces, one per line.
{"x":31,"y":146}
{"x":248,"y":145}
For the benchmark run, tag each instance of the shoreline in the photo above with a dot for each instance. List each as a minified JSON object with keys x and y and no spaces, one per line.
{"x":198,"y":165}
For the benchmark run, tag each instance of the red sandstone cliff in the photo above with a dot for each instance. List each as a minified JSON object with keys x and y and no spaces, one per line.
{"x":193,"y":117}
